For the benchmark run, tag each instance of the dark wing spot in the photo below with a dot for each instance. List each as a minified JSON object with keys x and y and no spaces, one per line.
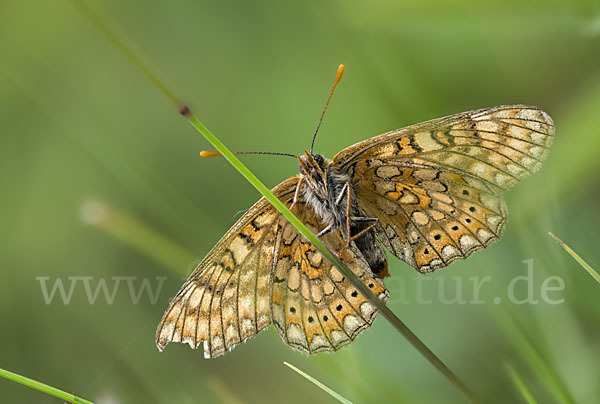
{"x":468,"y":220}
{"x":255,"y":226}
{"x":310,"y":319}
{"x":437,"y":237}
{"x":454,"y":228}
{"x":292,"y":309}
{"x":325,"y":318}
{"x":426,"y":251}
{"x":465,"y":192}
{"x":354,"y":294}
{"x":472,"y":208}
{"x":244,"y":236}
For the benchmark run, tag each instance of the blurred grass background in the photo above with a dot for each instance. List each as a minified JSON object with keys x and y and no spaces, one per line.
{"x":80,"y":123}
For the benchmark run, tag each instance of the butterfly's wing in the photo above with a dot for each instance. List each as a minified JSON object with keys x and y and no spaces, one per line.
{"x":435,"y":187}
{"x":314,"y":307}
{"x":226,"y":299}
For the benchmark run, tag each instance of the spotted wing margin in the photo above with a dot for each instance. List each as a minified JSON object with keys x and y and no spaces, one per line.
{"x":435,"y":187}
{"x":226,"y":299}
{"x":314,"y":307}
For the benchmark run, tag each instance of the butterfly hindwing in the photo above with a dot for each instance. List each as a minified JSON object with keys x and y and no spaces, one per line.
{"x":435,"y":186}
{"x":428,"y":217}
{"x":315,"y":308}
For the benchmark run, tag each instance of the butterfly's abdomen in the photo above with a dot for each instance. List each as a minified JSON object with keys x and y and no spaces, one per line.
{"x":371,"y":250}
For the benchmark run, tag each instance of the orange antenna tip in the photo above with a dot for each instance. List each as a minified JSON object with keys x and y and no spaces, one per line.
{"x":339,"y":75}
{"x":205,"y":153}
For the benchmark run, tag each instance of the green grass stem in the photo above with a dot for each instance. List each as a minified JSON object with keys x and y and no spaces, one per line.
{"x":356,"y":282}
{"x":297,"y":223}
{"x":44,"y":388}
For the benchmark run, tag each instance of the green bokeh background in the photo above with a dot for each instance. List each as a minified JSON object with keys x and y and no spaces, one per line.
{"x":81,"y":124}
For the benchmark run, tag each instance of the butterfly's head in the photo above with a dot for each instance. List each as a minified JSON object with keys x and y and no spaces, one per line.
{"x":310,"y":162}
{"x":313,"y":168}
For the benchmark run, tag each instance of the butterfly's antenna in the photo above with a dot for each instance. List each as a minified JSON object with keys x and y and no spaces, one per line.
{"x":337,"y":80}
{"x":205,"y":153}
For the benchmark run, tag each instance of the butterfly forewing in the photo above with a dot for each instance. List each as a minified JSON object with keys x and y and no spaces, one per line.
{"x":435,"y":186}
{"x":516,"y":134}
{"x":226,"y":299}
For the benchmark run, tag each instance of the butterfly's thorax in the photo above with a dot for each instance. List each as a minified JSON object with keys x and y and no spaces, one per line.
{"x":323,"y":189}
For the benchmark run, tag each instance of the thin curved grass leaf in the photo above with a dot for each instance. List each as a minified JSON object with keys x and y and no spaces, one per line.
{"x":320,"y":385}
{"x":577,"y":258}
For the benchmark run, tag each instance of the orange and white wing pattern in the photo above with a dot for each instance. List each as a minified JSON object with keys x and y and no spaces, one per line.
{"x":435,"y":187}
{"x":226,"y":299}
{"x":315,"y":308}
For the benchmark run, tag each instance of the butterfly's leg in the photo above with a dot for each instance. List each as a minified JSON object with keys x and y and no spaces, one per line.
{"x":295,"y":200}
{"x":338,"y":200}
{"x":348,"y":212}
{"x":346,"y":190}
{"x":364,"y":219}
{"x":325,"y":230}
{"x":361,"y":233}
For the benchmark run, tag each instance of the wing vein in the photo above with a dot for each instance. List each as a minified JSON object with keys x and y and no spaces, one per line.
{"x":495,"y":141}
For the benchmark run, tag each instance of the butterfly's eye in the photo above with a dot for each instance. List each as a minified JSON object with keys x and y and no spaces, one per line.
{"x":319,"y":159}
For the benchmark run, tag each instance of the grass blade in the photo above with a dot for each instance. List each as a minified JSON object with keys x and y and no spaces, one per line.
{"x":519,"y":383}
{"x":577,"y":258}
{"x":43,"y":387}
{"x":319,"y":384}
{"x":297,"y":223}
{"x":533,"y":353}
{"x":302,"y":229}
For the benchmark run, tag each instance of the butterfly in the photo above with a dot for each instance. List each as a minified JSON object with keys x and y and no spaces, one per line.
{"x":429,"y":193}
